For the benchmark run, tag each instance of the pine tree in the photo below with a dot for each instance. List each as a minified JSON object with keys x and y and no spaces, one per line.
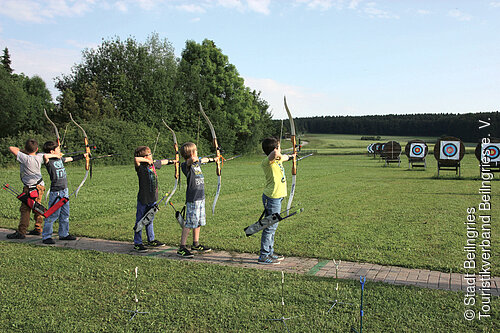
{"x":6,"y":61}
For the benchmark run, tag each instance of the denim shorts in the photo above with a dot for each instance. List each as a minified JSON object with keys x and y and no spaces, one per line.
{"x":195,"y":214}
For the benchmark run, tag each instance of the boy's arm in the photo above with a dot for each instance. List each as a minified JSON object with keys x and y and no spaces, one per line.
{"x":14,"y":150}
{"x":73,"y":158}
{"x":139,"y":160}
{"x":48,"y":156}
{"x":275,"y":155}
{"x":167,"y":162}
{"x":205,"y":160}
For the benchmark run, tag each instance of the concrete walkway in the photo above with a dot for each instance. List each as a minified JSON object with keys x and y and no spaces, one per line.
{"x":346,"y":270}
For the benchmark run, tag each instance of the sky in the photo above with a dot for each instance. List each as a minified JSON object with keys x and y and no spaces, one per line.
{"x":328,"y":57}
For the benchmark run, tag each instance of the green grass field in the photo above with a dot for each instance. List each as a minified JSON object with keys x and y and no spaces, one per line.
{"x":44,"y":289}
{"x":355,"y":209}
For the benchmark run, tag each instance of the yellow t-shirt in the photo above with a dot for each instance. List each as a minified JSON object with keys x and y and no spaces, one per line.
{"x":275,"y":178}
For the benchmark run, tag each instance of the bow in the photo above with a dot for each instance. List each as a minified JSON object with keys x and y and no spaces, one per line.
{"x":55,"y":127}
{"x":217,"y":158}
{"x":294,"y":160}
{"x":88,"y":166}
{"x":176,"y":172}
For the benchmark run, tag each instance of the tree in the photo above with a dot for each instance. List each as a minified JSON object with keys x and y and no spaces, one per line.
{"x":205,"y":76}
{"x":136,"y":79}
{"x":13,"y":104}
{"x":6,"y":61}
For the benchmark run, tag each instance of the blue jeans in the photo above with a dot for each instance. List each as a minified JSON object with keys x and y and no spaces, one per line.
{"x":267,"y":239}
{"x":141,"y":211}
{"x":62,"y":214}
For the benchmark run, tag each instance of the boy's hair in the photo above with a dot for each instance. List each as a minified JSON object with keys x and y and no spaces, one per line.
{"x":142,"y":151}
{"x":187,"y":150}
{"x":49,"y":146}
{"x":31,"y":146}
{"x":270,"y":144}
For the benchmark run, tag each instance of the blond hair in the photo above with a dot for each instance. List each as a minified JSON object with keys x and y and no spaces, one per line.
{"x":187,"y":150}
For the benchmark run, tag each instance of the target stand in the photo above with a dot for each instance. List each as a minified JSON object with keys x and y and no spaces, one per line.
{"x":449,"y":151}
{"x":336,"y":300}
{"x":391,"y":153}
{"x":416,"y":151}
{"x":492,"y":150}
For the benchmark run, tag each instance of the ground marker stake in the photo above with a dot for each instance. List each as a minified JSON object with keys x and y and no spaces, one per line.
{"x":282,"y":319}
{"x":336,"y":301}
{"x":362,"y":280}
{"x":136,"y":300}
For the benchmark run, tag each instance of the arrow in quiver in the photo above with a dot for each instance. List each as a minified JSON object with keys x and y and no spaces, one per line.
{"x":416,"y":150}
{"x":490,"y":150}
{"x":449,"y":151}
{"x":391,"y":152}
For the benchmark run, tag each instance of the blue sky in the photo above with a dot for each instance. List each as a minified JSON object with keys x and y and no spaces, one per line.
{"x":329,"y":57}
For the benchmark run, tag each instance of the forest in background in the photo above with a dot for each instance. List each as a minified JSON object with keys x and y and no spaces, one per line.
{"x":463,"y":126}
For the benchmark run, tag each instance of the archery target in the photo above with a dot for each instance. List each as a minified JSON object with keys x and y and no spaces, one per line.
{"x":450,"y":150}
{"x":417,"y":150}
{"x":492,"y":150}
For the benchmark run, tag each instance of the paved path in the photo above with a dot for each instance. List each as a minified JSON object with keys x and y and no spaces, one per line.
{"x":346,"y":270}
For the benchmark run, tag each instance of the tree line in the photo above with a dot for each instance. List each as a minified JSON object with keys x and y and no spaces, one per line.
{"x":121,"y":91}
{"x":464,"y":126}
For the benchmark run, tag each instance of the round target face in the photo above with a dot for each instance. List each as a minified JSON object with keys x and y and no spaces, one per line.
{"x":417,"y":150}
{"x":492,"y":151}
{"x":450,"y":150}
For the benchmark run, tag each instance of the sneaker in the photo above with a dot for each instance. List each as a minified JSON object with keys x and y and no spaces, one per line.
{"x":35,"y":232}
{"x":268,"y":261}
{"x":277,"y":257}
{"x":155,"y":243}
{"x":184,"y":252}
{"x":200,"y":248}
{"x":48,"y":241}
{"x":16,"y":235}
{"x":140,"y":248}
{"x":69,"y":237}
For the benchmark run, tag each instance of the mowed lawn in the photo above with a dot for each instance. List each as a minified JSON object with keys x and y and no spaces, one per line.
{"x":355,"y":209}
{"x":46,"y":289}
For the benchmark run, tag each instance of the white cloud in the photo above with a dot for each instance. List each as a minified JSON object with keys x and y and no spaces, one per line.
{"x":354,"y":4}
{"x":302,"y":103}
{"x":41,"y":11}
{"x":495,"y":4}
{"x":322,"y":4}
{"x":423,"y":12}
{"x":457,"y":14}
{"x":259,"y":6}
{"x":34,"y":59}
{"x":373,"y":12}
{"x":191,"y":8}
{"x":231,"y":4}
{"x":121,"y":6}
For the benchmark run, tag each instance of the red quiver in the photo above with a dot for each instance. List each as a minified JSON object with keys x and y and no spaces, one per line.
{"x":56,"y":206}
{"x":29,"y":199}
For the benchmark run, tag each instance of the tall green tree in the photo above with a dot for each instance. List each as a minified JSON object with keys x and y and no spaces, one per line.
{"x":13,"y":104}
{"x":137,"y":79}
{"x":6,"y":62}
{"x":205,"y":75}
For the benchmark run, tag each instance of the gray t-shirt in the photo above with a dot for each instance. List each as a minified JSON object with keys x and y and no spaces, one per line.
{"x":30,"y":168}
